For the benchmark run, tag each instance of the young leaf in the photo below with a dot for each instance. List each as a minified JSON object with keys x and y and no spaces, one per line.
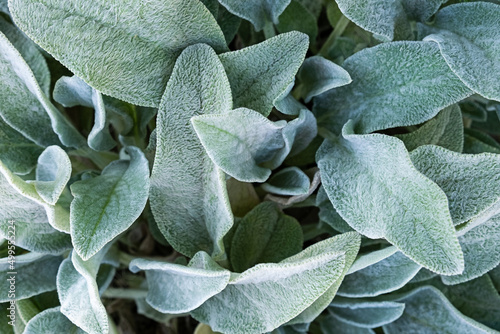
{"x":288,"y":181}
{"x":258,"y":12}
{"x":467,"y":35}
{"x":330,"y":325}
{"x":387,"y":275}
{"x":52,"y":174}
{"x":297,"y":18}
{"x":298,"y":134}
{"x":261,"y":73}
{"x":192,"y":211}
{"x":106,"y":205}
{"x":140,"y":51}
{"x":265,"y":296}
{"x":365,"y":314}
{"x":178,"y":289}
{"x":99,"y":138}
{"x":36,"y":273}
{"x":445,"y":130}
{"x":240,"y":141}
{"x":428,"y":311}
{"x":394,"y":84}
{"x":264,"y":235}
{"x":376,"y":189}
{"x":51,"y":321}
{"x":318,"y":75}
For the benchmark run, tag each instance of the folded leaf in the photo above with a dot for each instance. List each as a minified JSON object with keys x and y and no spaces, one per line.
{"x":140,"y":51}
{"x":330,"y":325}
{"x":288,"y":181}
{"x":371,"y":258}
{"x":328,"y":214}
{"x":265,"y":296}
{"x":393,"y":84}
{"x":178,"y":289}
{"x":259,"y":12}
{"x":52,"y":174}
{"x":106,"y":205}
{"x":192,"y":211}
{"x":261,"y":73}
{"x":376,"y":189}
{"x":240,"y":141}
{"x":468,"y":38}
{"x":365,"y":314}
{"x":428,"y":311}
{"x":51,"y":321}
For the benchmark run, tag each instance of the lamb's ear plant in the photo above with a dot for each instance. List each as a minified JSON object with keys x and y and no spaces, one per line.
{"x":267,"y":166}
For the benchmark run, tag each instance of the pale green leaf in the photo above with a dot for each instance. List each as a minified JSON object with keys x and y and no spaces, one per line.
{"x":387,"y":275}
{"x":297,"y":18}
{"x":318,"y":75}
{"x":53,"y":172}
{"x":51,"y":321}
{"x":177,"y":289}
{"x":289,"y":105}
{"x":192,"y":211}
{"x":147,"y":310}
{"x":428,"y":311}
{"x":394,"y":84}
{"x":31,"y":274}
{"x":374,"y":186}
{"x":268,"y":295}
{"x":330,"y":325}
{"x":258,"y":12}
{"x":99,"y":137}
{"x":288,"y":181}
{"x":363,"y":313}
{"x":445,"y":130}
{"x":468,"y":38}
{"x":106,"y":205}
{"x":371,"y":258}
{"x":328,"y":214}
{"x":299,"y":133}
{"x":228,"y":23}
{"x":264,"y":235}
{"x":140,"y":51}
{"x":240,"y":142}
{"x":261,"y":73}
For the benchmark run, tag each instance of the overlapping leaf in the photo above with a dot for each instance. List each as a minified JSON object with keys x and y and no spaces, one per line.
{"x":259,"y":12}
{"x":366,"y":314}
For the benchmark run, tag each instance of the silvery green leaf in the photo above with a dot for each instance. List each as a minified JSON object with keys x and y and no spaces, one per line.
{"x":140,"y":51}
{"x":422,"y":275}
{"x":53,"y":172}
{"x":240,"y":142}
{"x":289,"y":105}
{"x":192,"y":211}
{"x":212,"y":6}
{"x":461,"y":177}
{"x":288,"y":181}
{"x":394,"y":84}
{"x":228,"y":23}
{"x":297,"y":18}
{"x":29,"y":52}
{"x":51,"y":321}
{"x":445,"y":130}
{"x":363,"y":313}
{"x":428,"y":311}
{"x":371,"y":258}
{"x":479,"y":142}
{"x":318,"y":75}
{"x":330,"y":325}
{"x":17,"y":152}
{"x":147,"y":310}
{"x":481,"y":247}
{"x":34,"y":274}
{"x":374,"y":186}
{"x":258,"y":12}
{"x":328,"y":214}
{"x":265,"y":296}
{"x":264,"y":235}
{"x":106,"y":205}
{"x":79,"y":293}
{"x":178,"y":289}
{"x":384,"y":276}
{"x":313,"y":6}
{"x":467,"y":35}
{"x":477,"y":299}
{"x":99,"y":138}
{"x":72,"y":91}
{"x":261,"y":73}
{"x":299,"y":133}
{"x":4,"y":7}
{"x":473,"y":110}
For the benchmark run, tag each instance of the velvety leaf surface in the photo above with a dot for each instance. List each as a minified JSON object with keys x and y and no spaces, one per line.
{"x":393,"y":84}
{"x":106,"y":205}
{"x":328,"y":214}
{"x":258,"y":12}
{"x":177,"y":289}
{"x":374,"y":186}
{"x":192,"y":211}
{"x":428,"y":311}
{"x":367,"y":314}
{"x":53,"y":172}
{"x":51,"y":321}
{"x":140,"y":51}
{"x":261,"y":73}
{"x":468,"y":38}
{"x":331,"y":325}
{"x":265,"y":296}
{"x":240,"y":142}
{"x":288,"y":181}
{"x":371,"y":258}
{"x":264,"y":235}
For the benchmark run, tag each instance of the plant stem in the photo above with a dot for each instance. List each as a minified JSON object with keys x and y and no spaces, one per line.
{"x":124,"y":293}
{"x":269,"y":31}
{"x":338,"y":30}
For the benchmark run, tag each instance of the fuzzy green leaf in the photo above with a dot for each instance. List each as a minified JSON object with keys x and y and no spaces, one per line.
{"x":331,"y":325}
{"x":288,"y":181}
{"x":367,"y":314}
{"x":51,"y":321}
{"x":258,"y":12}
{"x":52,"y":174}
{"x":297,"y":18}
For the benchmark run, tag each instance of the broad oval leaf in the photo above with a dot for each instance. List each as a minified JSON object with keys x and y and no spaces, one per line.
{"x":288,"y":181}
{"x":53,"y":172}
{"x":393,"y":84}
{"x":260,"y":74}
{"x":374,"y":186}
{"x":106,"y":205}
{"x":258,"y":12}
{"x":367,"y":314}
{"x":175,"y":289}
{"x":192,"y":211}
{"x":51,"y":321}
{"x":140,"y":51}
